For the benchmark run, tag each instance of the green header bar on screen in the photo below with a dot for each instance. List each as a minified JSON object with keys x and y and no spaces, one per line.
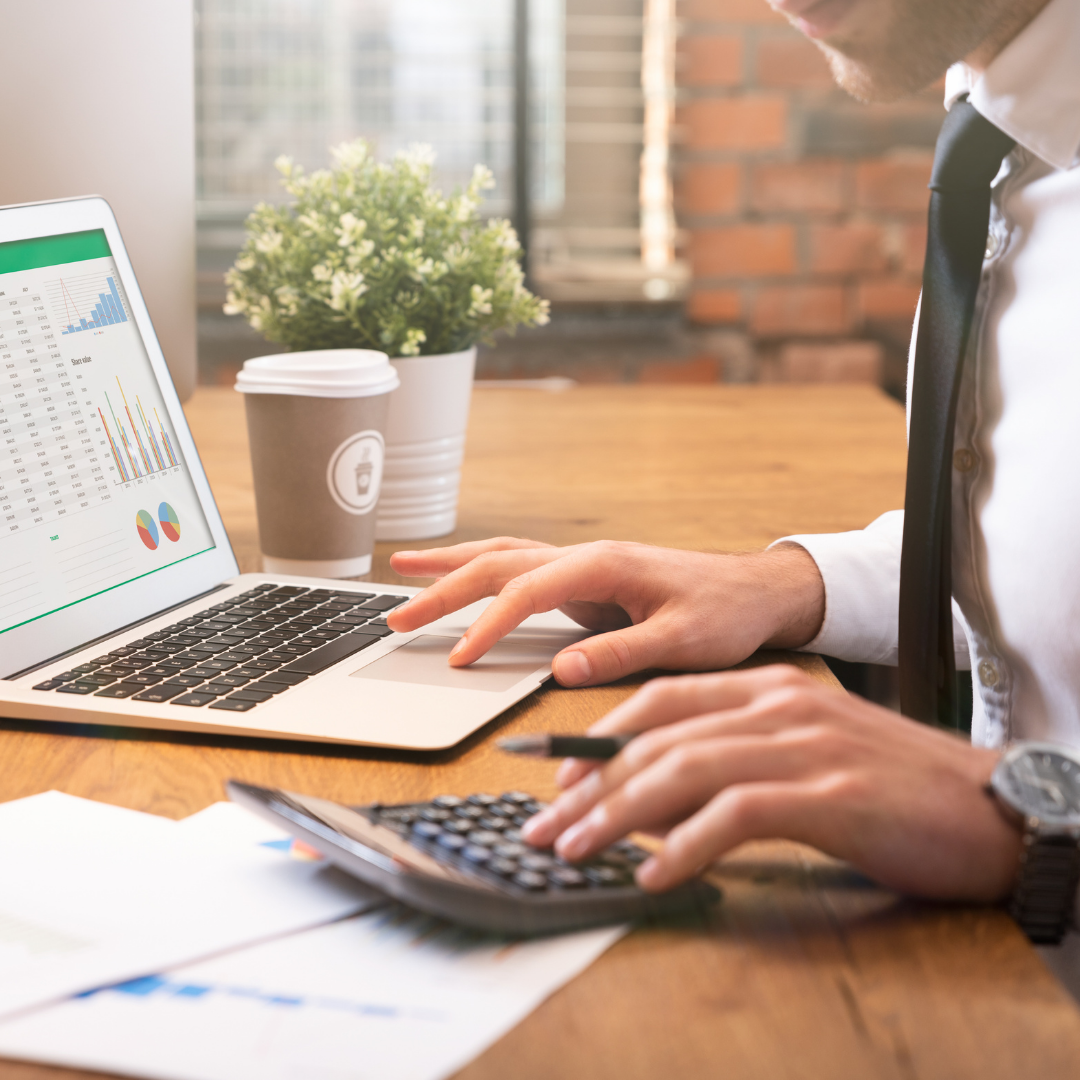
{"x":53,"y":250}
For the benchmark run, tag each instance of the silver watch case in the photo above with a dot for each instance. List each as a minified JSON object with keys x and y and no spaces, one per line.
{"x":1039,"y":782}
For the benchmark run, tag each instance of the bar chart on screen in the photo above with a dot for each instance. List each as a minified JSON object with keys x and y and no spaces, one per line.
{"x":86,"y":302}
{"x":141,"y":448}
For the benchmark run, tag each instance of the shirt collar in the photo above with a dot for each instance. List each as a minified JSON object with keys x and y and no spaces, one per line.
{"x":1031,"y":89}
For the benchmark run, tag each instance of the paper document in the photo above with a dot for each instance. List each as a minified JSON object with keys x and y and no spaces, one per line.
{"x":389,"y":995}
{"x":92,"y":894}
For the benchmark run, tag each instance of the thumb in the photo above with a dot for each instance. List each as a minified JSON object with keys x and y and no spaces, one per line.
{"x":607,"y":657}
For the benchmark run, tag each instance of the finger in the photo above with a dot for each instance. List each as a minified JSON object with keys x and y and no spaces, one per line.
{"x":673,"y":698}
{"x":767,"y":729}
{"x":484,"y":575}
{"x":677,"y":784}
{"x":434,"y":562}
{"x":790,"y":811}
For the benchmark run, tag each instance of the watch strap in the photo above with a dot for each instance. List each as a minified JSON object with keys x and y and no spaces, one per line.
{"x":1045,"y":893}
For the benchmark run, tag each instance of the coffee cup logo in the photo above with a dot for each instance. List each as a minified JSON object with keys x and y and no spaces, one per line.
{"x":354,"y":473}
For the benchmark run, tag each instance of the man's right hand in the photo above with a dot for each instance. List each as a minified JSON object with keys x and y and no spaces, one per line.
{"x":654,"y":607}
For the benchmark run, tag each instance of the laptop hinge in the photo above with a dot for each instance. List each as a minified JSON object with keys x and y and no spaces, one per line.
{"x":113,"y":633}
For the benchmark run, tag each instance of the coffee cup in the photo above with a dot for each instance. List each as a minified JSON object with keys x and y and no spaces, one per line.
{"x":316,"y":422}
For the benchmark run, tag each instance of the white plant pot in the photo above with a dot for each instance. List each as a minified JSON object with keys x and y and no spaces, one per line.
{"x":425,"y":443}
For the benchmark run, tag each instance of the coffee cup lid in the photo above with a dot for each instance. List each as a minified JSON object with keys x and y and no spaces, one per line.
{"x":332,"y":373}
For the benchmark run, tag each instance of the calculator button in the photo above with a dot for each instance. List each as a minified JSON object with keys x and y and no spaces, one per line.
{"x":518,"y":798}
{"x":457,"y":827}
{"x":510,"y":851}
{"x":447,"y":802}
{"x":475,"y":854}
{"x":501,"y":809}
{"x":566,"y":877}
{"x":485,"y":838}
{"x":528,"y":880}
{"x":427,"y":830}
{"x":539,"y":863}
{"x":512,"y":836}
{"x":470,"y":812}
{"x":435,"y":813}
{"x":498,"y":823}
{"x":607,"y":875}
{"x":482,"y":800}
{"x":503,"y":867}
{"x":451,"y":842}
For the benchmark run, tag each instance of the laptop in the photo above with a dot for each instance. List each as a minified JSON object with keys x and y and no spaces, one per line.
{"x":120,"y":597}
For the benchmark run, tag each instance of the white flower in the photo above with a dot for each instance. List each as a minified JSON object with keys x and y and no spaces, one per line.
{"x":321,"y":272}
{"x":481,"y":300}
{"x":345,"y":290}
{"x":413,"y":340}
{"x":483,"y":179}
{"x":351,"y":229}
{"x":244,"y":263}
{"x":350,"y":155}
{"x":269,"y":242}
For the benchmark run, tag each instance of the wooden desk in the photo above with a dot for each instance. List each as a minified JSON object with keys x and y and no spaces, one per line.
{"x":807,"y":971}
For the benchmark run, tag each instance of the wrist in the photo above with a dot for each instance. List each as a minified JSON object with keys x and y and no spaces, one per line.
{"x":796,"y":591}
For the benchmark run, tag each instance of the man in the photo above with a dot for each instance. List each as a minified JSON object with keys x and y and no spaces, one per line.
{"x":767,"y":753}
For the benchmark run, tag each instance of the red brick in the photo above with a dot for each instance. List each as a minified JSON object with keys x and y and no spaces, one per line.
{"x":792,"y":63}
{"x":714,"y":306}
{"x":835,"y":361}
{"x":815,"y":310}
{"x":743,"y":251}
{"x":913,"y":249}
{"x":893,"y":183}
{"x":710,"y":60}
{"x":888,"y":298}
{"x":736,"y":11}
{"x":701,"y":369}
{"x":848,"y":248}
{"x":710,"y":189}
{"x":744,"y":123}
{"x":817,"y":184}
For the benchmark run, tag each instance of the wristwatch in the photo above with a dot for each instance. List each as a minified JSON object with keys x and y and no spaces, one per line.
{"x":1038,"y":785}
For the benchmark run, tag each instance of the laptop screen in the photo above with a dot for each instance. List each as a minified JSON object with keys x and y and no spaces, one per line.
{"x":94,"y":491}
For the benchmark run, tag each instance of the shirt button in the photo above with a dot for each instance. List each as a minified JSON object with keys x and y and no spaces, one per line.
{"x":988,"y":673}
{"x":963,"y":460}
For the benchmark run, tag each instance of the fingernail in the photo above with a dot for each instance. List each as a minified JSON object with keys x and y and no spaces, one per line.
{"x":572,"y":668}
{"x":648,"y":873}
{"x":459,"y":646}
{"x":574,"y":842}
{"x":405,"y":553}
{"x":533,"y":825}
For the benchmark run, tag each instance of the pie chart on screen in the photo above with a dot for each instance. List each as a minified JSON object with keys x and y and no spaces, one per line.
{"x":170,"y":523}
{"x":148,"y":533}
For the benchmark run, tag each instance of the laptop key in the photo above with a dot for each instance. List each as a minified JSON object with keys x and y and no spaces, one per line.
{"x":247,"y":694}
{"x":385,"y":603}
{"x":347,"y":621}
{"x":77,"y":688}
{"x":290,"y":678}
{"x":380,"y":629}
{"x":328,"y":655}
{"x":230,"y":682}
{"x":49,"y":684}
{"x":161,"y":693}
{"x":86,"y":669}
{"x":210,"y":668}
{"x":233,"y":705}
{"x":118,"y":690}
{"x":193,"y":699}
{"x":264,"y":686}
{"x":327,"y":633}
{"x":184,"y":681}
{"x":257,"y":667}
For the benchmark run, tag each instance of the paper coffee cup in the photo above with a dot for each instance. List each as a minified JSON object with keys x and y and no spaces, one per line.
{"x":315,"y":426}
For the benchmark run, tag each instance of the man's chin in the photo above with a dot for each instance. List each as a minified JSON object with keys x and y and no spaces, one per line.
{"x":880,"y":81}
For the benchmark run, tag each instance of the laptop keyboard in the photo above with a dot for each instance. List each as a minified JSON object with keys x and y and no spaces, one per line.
{"x":237,"y":654}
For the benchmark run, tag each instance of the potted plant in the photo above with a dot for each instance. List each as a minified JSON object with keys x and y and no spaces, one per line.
{"x":371,"y":255}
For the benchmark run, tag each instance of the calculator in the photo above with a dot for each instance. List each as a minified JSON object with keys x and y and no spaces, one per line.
{"x":462,"y":858}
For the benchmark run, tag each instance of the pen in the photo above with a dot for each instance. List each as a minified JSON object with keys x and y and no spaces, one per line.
{"x":555,"y":746}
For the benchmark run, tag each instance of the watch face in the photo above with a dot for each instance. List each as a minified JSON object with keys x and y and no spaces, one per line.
{"x":1043,"y":782}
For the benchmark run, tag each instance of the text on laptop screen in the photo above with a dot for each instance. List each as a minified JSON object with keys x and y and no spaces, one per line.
{"x":94,"y":491}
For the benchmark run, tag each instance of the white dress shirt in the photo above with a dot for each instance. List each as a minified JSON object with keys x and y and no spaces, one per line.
{"x":1016,"y":476}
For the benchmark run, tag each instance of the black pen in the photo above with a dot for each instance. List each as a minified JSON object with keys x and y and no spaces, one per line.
{"x":556,"y":746}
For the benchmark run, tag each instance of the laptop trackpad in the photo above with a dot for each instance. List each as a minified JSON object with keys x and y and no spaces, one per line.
{"x":423,"y":661}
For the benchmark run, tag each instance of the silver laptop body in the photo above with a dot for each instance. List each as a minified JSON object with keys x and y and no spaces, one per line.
{"x":120,"y":601}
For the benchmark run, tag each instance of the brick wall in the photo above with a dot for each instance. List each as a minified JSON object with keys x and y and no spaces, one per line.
{"x":804,"y":211}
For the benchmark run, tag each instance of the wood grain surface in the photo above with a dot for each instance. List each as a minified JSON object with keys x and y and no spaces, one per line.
{"x":807,"y":970}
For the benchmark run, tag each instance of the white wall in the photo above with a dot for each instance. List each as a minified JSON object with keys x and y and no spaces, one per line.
{"x":99,"y":99}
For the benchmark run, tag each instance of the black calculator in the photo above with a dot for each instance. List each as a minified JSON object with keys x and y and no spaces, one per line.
{"x":462,"y":858}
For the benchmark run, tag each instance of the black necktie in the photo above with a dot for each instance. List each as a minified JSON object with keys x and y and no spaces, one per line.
{"x":968,"y":156}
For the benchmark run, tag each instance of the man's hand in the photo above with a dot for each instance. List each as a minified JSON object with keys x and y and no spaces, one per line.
{"x":654,"y":607}
{"x":769,"y":753}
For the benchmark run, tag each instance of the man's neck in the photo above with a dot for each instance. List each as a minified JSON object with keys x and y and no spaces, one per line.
{"x":1017,"y":17}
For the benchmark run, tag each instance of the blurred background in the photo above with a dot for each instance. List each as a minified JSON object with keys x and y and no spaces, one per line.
{"x":698,"y":200}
